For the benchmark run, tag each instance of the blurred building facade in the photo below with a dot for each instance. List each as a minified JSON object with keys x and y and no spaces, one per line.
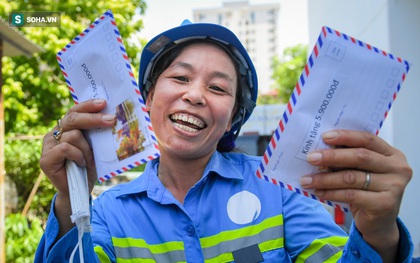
{"x":256,"y":27}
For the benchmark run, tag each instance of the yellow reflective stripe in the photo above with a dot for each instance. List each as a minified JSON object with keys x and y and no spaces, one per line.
{"x":265,"y":246}
{"x":218,"y":248}
{"x":103,"y":257}
{"x":135,"y":260}
{"x":268,"y":235}
{"x":242,"y":232}
{"x":317,"y":246}
{"x":133,"y":250}
{"x":271,"y":244}
{"x":158,"y":248}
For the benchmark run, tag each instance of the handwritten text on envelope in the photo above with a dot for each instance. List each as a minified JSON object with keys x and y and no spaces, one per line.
{"x":95,"y":65}
{"x":346,"y":84}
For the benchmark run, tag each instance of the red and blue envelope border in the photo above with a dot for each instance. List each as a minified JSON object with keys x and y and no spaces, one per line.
{"x":294,"y":100}
{"x":133,"y":81}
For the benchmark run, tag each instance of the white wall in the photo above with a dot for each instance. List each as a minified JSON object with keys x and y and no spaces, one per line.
{"x":405,"y":38}
{"x":391,"y":25}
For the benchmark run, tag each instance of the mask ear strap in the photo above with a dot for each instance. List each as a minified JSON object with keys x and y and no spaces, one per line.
{"x":247,"y":105}
{"x":241,"y":122}
{"x":146,"y":89}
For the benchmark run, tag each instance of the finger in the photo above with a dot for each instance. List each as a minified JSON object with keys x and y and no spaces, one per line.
{"x":72,"y":117}
{"x":348,"y":179}
{"x":87,"y":115}
{"x":373,"y":201}
{"x":52,"y":162}
{"x":73,"y":146}
{"x":94,"y":105}
{"x":86,"y":121}
{"x":354,"y":158}
{"x":76,"y":139}
{"x":358,"y":139}
{"x":56,"y":154}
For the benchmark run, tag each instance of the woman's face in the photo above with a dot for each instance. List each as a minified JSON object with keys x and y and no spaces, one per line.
{"x":192,"y":103}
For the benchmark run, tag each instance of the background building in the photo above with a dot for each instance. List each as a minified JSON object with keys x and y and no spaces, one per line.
{"x":256,"y":27}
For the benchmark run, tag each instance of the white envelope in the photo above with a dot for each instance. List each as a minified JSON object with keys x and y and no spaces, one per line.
{"x":95,"y":65}
{"x":346,"y":84}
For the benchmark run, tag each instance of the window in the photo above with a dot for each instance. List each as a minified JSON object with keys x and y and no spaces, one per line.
{"x":252,"y":17}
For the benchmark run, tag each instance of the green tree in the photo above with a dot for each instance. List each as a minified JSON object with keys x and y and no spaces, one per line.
{"x":35,"y":92}
{"x":22,"y":238}
{"x":287,"y":70}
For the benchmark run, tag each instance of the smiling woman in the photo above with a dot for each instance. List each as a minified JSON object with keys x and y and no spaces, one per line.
{"x":200,"y":201}
{"x":198,"y":86}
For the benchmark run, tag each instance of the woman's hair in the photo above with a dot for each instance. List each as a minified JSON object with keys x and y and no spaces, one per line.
{"x":166,"y":59}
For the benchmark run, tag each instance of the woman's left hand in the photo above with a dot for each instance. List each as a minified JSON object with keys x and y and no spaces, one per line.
{"x":354,"y":158}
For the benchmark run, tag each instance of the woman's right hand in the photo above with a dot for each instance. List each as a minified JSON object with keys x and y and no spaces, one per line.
{"x":72,"y":145}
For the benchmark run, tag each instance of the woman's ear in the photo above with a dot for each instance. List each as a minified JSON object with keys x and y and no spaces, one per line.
{"x":149,"y":99}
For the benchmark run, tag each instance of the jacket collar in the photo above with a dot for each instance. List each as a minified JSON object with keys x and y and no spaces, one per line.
{"x":149,"y":182}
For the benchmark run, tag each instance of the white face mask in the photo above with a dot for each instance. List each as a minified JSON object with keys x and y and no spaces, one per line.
{"x":79,"y":200}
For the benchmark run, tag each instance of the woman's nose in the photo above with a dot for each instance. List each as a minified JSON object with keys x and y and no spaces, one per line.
{"x":195,"y":95}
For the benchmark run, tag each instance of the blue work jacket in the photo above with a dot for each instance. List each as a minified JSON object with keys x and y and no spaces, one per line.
{"x":229,"y":215}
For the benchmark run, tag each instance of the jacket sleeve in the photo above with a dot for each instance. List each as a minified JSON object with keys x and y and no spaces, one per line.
{"x":101,"y":236}
{"x":50,"y":251}
{"x":357,"y":250}
{"x":311,"y":235}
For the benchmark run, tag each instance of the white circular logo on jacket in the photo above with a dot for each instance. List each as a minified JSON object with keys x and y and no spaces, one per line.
{"x":243,"y":207}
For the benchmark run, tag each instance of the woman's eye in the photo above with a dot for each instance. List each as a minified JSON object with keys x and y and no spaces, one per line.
{"x":181,"y":78}
{"x":216,"y":88}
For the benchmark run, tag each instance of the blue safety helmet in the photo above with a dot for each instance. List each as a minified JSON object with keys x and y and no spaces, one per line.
{"x":165,"y":41}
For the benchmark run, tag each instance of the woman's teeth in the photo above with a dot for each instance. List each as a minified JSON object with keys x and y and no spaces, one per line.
{"x":187,"y":123}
